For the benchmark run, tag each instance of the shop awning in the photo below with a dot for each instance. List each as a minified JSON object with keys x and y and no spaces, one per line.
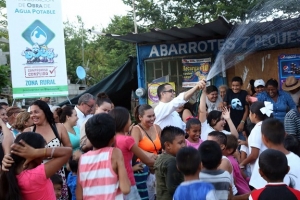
{"x":219,"y":28}
{"x":118,"y":85}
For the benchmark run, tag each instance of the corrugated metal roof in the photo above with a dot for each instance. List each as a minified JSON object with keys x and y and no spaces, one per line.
{"x":215,"y":29}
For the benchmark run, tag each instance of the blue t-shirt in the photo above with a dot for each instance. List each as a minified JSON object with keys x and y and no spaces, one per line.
{"x":71,"y":182}
{"x":283,"y":104}
{"x":196,"y":190}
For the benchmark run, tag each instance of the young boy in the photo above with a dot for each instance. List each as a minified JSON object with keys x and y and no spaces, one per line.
{"x":101,"y":171}
{"x":57,"y":185}
{"x":239,"y":180}
{"x":273,"y":167}
{"x":72,"y":177}
{"x":273,"y":137}
{"x":211,"y":157}
{"x":189,"y":163}
{"x":221,"y":139}
{"x":167,"y":175}
{"x":236,"y":99}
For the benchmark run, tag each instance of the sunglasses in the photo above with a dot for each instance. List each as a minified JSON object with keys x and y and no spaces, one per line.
{"x":171,"y":91}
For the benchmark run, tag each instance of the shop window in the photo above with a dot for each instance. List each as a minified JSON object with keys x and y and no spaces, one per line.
{"x":157,"y":68}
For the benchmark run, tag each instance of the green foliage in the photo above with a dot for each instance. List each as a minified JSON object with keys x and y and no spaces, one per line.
{"x":102,"y":55}
{"x":165,"y":14}
{"x":4,"y":76}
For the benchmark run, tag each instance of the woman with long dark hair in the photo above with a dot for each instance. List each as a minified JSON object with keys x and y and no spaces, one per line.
{"x":54,"y":134}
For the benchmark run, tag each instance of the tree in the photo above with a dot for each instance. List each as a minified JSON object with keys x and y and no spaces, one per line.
{"x":165,"y":14}
{"x":4,"y":76}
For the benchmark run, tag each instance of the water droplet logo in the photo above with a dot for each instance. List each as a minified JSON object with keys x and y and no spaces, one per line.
{"x":38,"y":33}
{"x":38,"y":36}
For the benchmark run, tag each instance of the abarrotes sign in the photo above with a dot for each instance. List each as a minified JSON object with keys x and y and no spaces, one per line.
{"x":234,"y":45}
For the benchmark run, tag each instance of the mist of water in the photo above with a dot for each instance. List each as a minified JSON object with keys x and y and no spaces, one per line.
{"x":271,"y":23}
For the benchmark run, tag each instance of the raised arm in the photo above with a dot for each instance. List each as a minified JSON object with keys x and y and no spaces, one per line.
{"x":202,"y":106}
{"x":226,"y":115}
{"x":8,"y":138}
{"x":60,"y":156}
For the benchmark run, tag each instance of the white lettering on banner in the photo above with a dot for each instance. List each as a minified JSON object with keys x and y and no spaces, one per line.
{"x":182,"y":48}
{"x":258,"y":41}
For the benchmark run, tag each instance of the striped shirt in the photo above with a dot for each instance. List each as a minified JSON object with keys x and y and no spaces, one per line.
{"x":220,"y":179}
{"x":292,"y":123}
{"x":97,"y":177}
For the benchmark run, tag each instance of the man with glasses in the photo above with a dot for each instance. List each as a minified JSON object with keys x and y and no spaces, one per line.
{"x":165,"y":111}
{"x":84,"y":108}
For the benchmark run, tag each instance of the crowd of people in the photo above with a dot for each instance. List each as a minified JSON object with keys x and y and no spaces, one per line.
{"x":238,"y":145}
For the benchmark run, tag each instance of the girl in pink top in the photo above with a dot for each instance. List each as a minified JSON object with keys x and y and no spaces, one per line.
{"x":239,"y":181}
{"x":193,"y":130}
{"x":27,"y":177}
{"x":128,"y":147}
{"x":101,"y":171}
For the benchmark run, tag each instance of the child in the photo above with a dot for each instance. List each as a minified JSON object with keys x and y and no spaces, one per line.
{"x":255,"y":144}
{"x":244,"y":153}
{"x":27,"y":178}
{"x":273,"y":167}
{"x":57,"y":185}
{"x":236,"y":99}
{"x":291,"y":143}
{"x":167,"y":175}
{"x":193,"y":127}
{"x":211,"y":157}
{"x":221,"y":139}
{"x":72,"y":176}
{"x":240,"y":183}
{"x":128,"y":147}
{"x":273,"y":135}
{"x":189,"y":164}
{"x":103,"y":167}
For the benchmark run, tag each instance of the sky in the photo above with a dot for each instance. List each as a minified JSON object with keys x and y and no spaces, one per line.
{"x":97,"y":13}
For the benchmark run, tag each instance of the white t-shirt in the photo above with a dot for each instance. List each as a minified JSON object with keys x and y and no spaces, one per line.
{"x":255,"y":140}
{"x":234,"y":189}
{"x":291,"y":179}
{"x":245,"y":149}
{"x":206,"y":129}
{"x":166,"y":114}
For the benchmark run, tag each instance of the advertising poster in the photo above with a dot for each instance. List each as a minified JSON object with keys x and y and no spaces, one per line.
{"x":194,"y":70}
{"x":152,"y":92}
{"x":37,"y":48}
{"x":289,"y":65}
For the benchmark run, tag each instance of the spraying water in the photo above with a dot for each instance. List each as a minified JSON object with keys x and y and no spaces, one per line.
{"x":271,"y":23}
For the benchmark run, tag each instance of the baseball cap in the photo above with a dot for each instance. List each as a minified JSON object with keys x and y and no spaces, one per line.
{"x":259,"y":82}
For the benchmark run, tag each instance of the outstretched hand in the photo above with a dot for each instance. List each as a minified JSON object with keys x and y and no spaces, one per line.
{"x":7,"y":162}
{"x":24,"y":150}
{"x":226,"y":113}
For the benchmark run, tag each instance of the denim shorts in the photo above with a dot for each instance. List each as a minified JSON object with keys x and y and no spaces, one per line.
{"x":133,"y":195}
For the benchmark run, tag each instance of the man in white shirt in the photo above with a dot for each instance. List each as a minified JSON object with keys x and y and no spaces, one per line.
{"x":84,"y":108}
{"x":165,"y":111}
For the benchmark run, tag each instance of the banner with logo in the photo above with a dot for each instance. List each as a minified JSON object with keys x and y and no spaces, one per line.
{"x":37,"y":48}
{"x":194,"y":70}
{"x":289,"y":65}
{"x":152,"y":92}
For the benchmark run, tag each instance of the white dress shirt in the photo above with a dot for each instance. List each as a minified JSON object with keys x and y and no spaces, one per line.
{"x":166,"y":114}
{"x":81,"y":117}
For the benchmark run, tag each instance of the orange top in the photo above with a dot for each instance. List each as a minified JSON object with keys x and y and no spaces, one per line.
{"x":147,"y":145}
